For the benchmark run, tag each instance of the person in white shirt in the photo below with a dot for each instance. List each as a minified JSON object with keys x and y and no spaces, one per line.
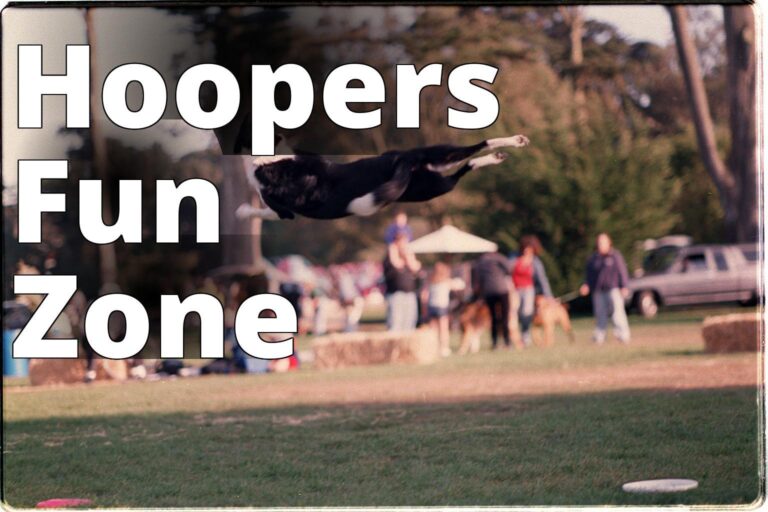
{"x":440,"y":287}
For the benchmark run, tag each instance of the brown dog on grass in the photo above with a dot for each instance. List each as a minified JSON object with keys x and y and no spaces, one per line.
{"x":549,"y":313}
{"x":475,"y":319}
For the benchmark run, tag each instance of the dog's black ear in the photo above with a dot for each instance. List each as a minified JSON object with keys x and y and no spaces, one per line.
{"x":278,"y":139}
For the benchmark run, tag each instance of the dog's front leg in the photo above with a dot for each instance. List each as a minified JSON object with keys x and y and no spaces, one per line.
{"x":515,"y":141}
{"x":485,"y":160}
{"x":247,"y":211}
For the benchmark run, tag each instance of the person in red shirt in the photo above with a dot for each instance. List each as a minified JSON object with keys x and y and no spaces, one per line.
{"x":529,"y":277}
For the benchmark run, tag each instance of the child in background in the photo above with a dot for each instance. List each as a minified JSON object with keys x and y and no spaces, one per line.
{"x":440,"y":287}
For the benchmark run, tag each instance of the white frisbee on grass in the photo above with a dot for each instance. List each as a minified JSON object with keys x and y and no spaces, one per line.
{"x":661,"y":485}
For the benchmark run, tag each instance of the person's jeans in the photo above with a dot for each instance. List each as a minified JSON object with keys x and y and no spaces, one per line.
{"x":320,"y":326}
{"x":498,"y":305}
{"x":353,"y":311}
{"x":402,"y":311}
{"x":526,"y":311}
{"x":610,"y":304}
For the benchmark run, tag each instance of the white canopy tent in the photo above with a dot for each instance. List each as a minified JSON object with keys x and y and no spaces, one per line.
{"x":451,"y":240}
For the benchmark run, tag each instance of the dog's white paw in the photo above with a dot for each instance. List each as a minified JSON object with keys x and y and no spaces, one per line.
{"x":244,"y":211}
{"x":519,"y":141}
{"x":489,"y":159}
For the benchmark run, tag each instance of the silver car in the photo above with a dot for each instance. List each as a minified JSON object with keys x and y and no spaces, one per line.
{"x":696,"y":274}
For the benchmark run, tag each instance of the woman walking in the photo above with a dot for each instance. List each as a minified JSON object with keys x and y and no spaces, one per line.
{"x":529,"y":277}
{"x":607,"y":281}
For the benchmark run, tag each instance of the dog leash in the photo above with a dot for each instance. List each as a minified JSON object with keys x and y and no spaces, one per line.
{"x":568,"y":297}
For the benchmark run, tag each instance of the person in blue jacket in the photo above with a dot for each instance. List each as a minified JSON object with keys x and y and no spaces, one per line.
{"x":530,"y":279}
{"x":607,"y":280}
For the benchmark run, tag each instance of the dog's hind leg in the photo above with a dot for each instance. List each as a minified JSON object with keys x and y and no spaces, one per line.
{"x":426,"y":185}
{"x":444,"y":157}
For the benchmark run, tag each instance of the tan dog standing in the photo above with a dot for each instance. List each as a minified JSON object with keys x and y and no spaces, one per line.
{"x":549,"y":313}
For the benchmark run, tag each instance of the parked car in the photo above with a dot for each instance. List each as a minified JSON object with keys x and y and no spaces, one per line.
{"x":696,"y":274}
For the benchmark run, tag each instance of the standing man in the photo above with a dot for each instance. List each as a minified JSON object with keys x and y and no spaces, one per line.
{"x":490,"y":280}
{"x":607,"y":281}
{"x":400,"y":273}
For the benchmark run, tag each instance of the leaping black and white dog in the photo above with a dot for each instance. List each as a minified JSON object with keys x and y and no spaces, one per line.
{"x":314,"y":187}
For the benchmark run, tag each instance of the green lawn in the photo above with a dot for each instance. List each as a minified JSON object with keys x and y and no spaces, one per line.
{"x":234,"y":441}
{"x":554,"y":450}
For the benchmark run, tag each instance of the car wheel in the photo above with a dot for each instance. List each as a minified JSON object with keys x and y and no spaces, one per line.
{"x":647,"y":304}
{"x":754,"y":300}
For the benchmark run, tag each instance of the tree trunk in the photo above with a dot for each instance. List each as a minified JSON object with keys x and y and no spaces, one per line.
{"x":573,"y":17}
{"x":238,"y":245}
{"x":241,"y":238}
{"x":107,"y":254}
{"x":735,"y":182}
{"x":576,"y":25}
{"x":742,"y":160}
{"x":697,"y":95}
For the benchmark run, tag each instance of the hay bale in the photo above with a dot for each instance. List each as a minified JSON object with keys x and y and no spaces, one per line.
{"x":366,"y":348}
{"x":732,"y":333}
{"x":70,"y":371}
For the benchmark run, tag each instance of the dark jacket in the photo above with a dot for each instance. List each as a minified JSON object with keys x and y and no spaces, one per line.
{"x":605,"y":272}
{"x":398,"y":279}
{"x":491,"y":275}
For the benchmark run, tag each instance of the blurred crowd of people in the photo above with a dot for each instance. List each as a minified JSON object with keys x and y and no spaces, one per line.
{"x":511,"y":287}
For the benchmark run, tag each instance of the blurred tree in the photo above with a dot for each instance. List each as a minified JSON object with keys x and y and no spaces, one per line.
{"x":573,"y":183}
{"x":619,"y":163}
{"x":736,"y":178}
{"x":699,"y":212}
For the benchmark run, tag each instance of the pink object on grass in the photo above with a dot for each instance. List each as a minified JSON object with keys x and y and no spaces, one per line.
{"x":64,"y":503}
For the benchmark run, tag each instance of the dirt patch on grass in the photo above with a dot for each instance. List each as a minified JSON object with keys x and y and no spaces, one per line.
{"x":679,"y":374}
{"x":676,"y":373}
{"x":664,"y":357}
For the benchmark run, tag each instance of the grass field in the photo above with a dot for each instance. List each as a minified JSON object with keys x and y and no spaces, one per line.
{"x":567,"y":425}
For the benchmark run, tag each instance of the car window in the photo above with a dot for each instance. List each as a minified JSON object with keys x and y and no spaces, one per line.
{"x":720,"y":261}
{"x":695,"y":262}
{"x":659,"y":260}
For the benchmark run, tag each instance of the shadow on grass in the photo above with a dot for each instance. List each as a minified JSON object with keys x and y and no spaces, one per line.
{"x":683,"y":352}
{"x":533,"y":451}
